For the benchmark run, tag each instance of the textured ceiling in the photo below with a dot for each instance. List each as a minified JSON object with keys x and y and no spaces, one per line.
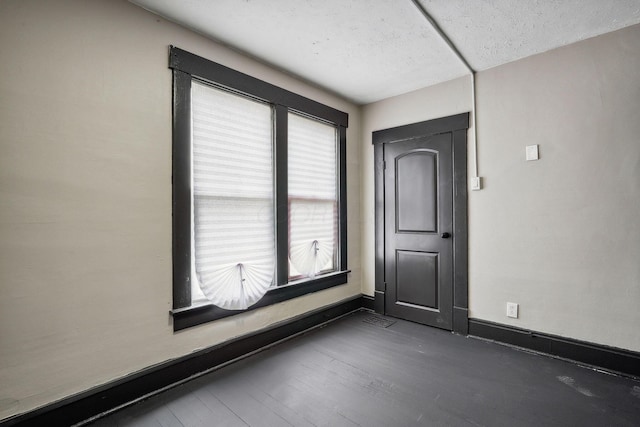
{"x":367,"y":50}
{"x":493,"y":32}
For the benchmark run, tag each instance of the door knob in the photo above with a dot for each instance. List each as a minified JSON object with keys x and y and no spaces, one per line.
{"x":445,"y":235}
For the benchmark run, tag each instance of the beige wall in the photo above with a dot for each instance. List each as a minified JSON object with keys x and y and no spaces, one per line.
{"x":85,"y":198}
{"x":560,"y":236}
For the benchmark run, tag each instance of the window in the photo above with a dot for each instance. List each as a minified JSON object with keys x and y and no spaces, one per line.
{"x":233,"y":249}
{"x":259,"y":207}
{"x":313,"y":197}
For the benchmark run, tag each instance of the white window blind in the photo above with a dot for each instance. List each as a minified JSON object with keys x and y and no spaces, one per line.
{"x":313,"y":197}
{"x":233,"y":253}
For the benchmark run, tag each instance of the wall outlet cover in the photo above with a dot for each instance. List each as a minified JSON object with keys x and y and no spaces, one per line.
{"x":476,"y":183}
{"x":512,"y":310}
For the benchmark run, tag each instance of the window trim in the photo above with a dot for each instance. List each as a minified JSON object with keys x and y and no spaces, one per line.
{"x":186,"y":67}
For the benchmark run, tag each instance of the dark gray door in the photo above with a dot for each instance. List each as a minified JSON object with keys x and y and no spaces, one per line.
{"x":418,"y":218}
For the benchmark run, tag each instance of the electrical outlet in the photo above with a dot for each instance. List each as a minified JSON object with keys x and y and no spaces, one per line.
{"x":512,"y":310}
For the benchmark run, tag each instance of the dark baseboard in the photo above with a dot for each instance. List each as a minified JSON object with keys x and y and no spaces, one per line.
{"x":368,"y":302}
{"x":610,"y":358}
{"x":88,"y":404}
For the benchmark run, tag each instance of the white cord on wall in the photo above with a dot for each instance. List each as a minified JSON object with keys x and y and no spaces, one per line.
{"x":455,"y":50}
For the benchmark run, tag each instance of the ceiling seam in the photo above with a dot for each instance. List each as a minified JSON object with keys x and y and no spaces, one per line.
{"x":461,"y":57}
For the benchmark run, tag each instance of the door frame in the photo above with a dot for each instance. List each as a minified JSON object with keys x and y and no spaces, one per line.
{"x":457,"y":125}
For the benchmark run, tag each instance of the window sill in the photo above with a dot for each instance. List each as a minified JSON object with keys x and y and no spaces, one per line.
{"x":187,"y":317}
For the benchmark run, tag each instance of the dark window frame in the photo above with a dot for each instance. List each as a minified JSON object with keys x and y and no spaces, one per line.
{"x":186,"y":68}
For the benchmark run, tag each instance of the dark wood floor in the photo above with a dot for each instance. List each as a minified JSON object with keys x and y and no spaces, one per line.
{"x":354,"y":373}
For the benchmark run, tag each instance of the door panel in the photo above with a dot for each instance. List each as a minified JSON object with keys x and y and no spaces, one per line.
{"x":418,"y":209}
{"x":416,"y":192}
{"x":417,"y":278}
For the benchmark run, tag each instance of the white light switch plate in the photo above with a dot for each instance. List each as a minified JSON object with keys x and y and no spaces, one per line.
{"x":532,"y":152}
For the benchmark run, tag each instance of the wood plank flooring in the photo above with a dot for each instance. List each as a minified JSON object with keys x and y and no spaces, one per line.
{"x":354,"y":373}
